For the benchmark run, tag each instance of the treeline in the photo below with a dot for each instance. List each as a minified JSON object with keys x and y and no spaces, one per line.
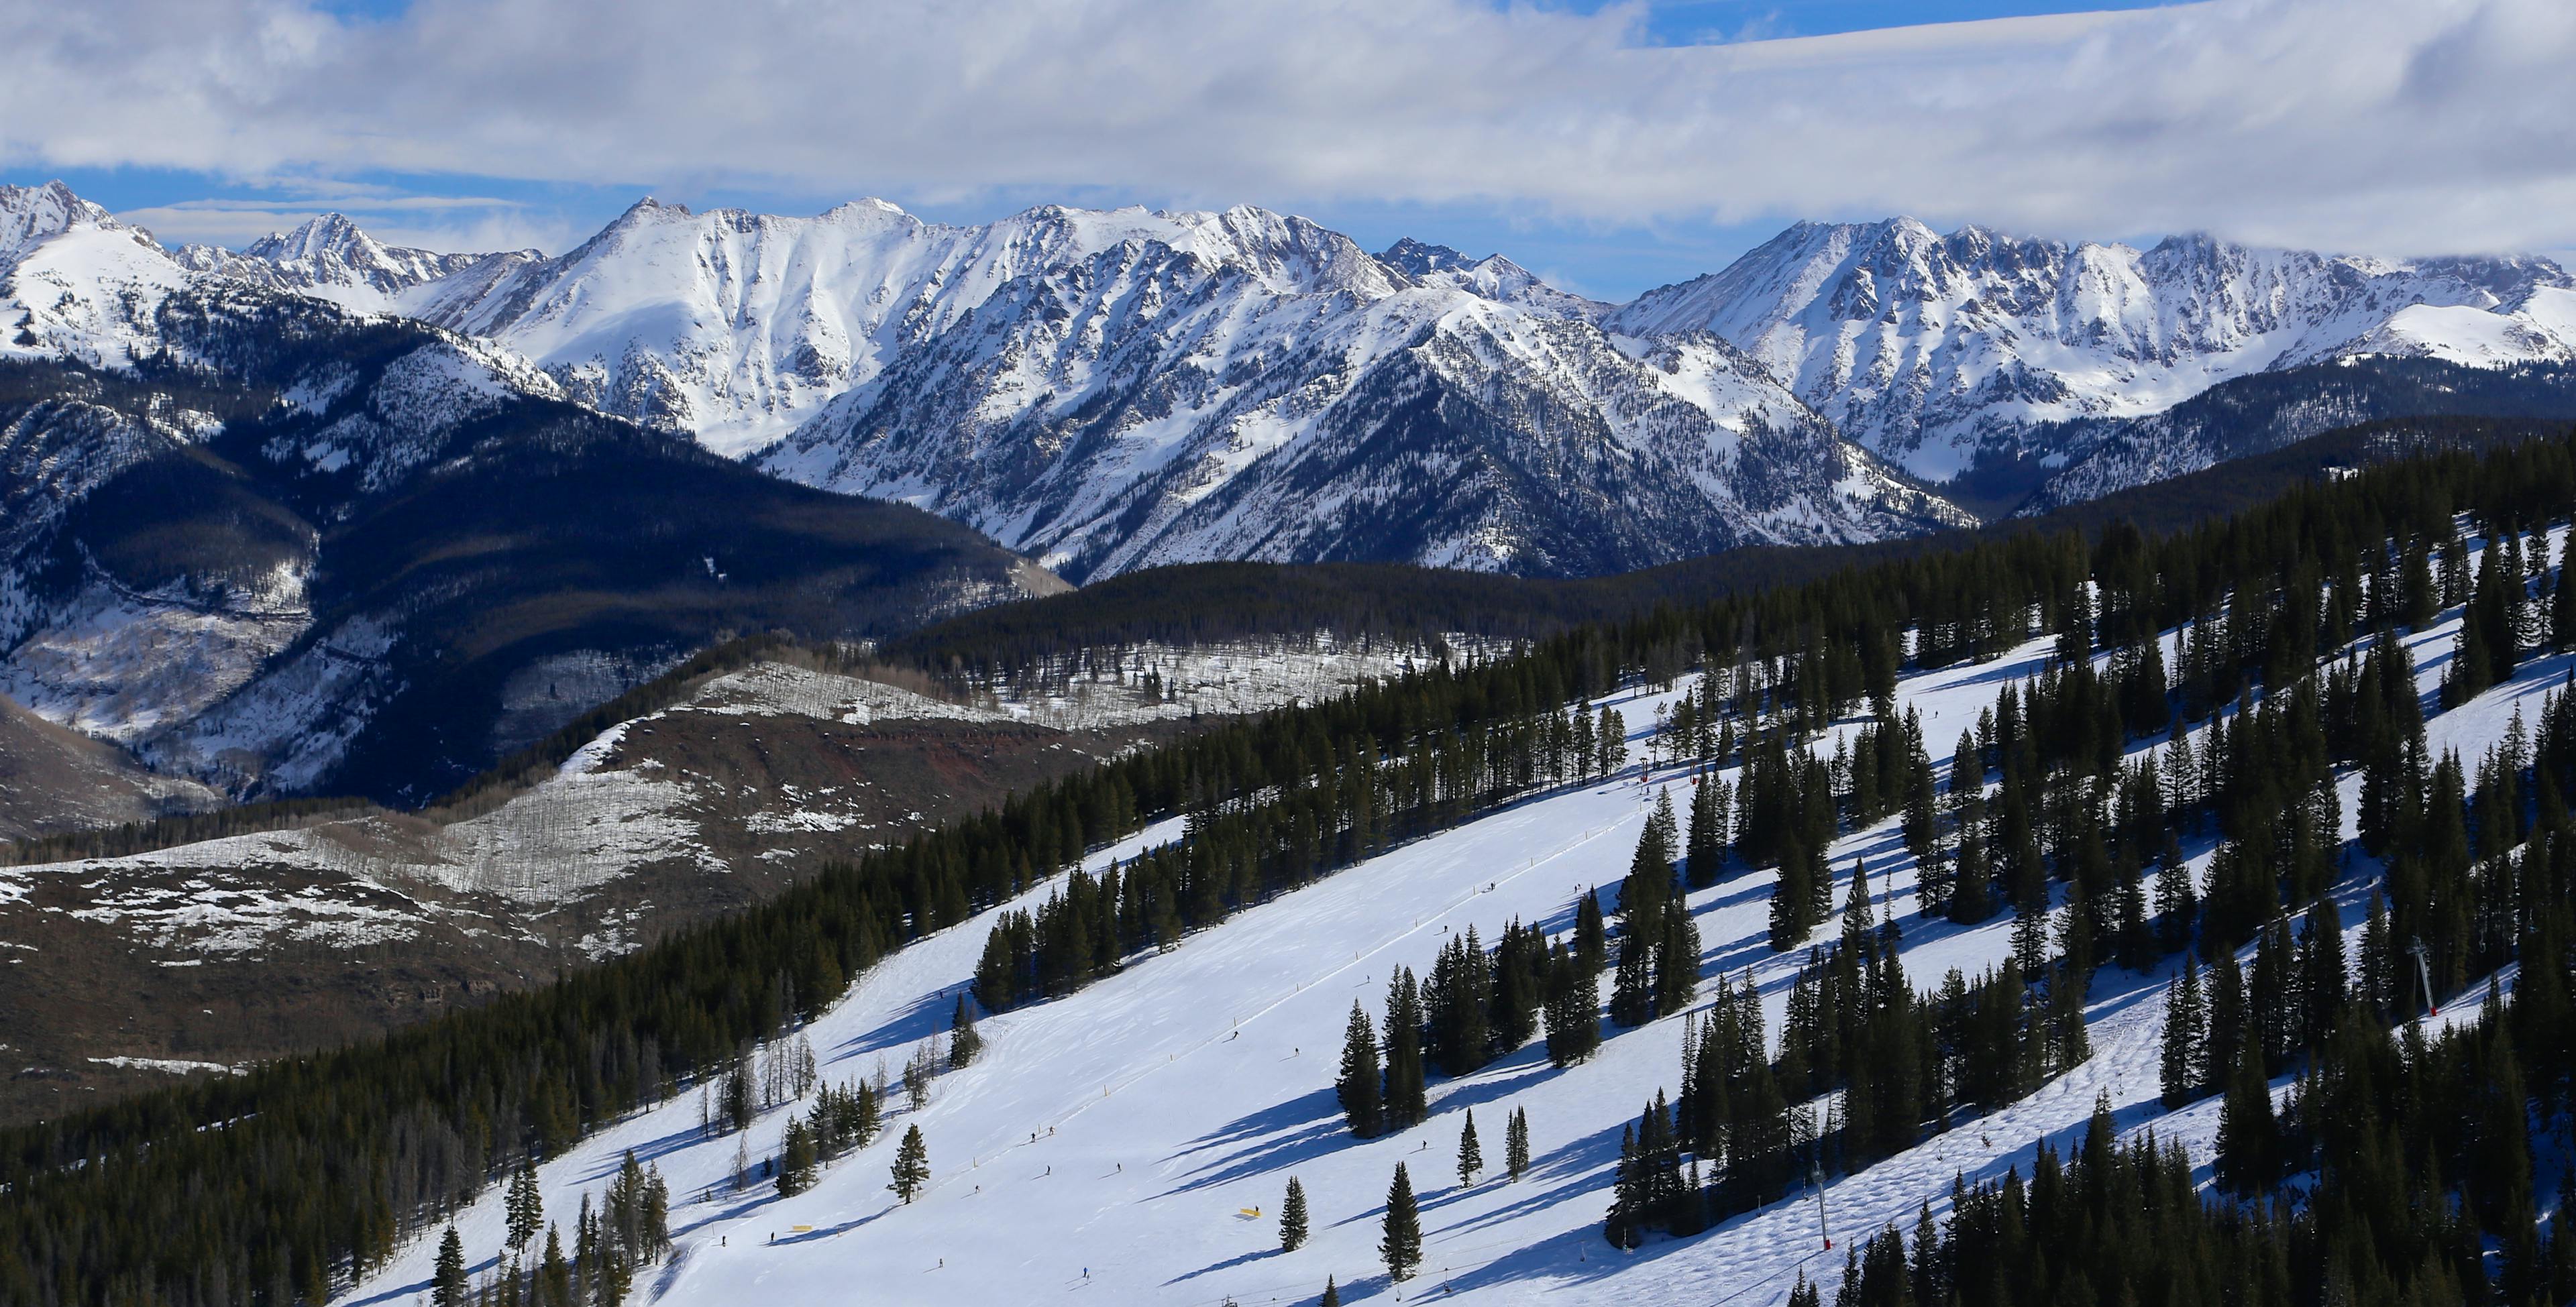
{"x":1212,"y":602}
{"x":186,"y":828}
{"x":281,"y":1185}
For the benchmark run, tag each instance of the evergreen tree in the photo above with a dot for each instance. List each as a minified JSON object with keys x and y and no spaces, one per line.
{"x":1707,"y":841}
{"x":1632,"y":984}
{"x":1401,"y":1243}
{"x":447,"y":1286}
{"x":1471,"y":1155}
{"x":796,"y":1160}
{"x":1627,"y":1194}
{"x":2177,"y":899}
{"x":1677,"y":960}
{"x":1292,"y":1217}
{"x":1793,"y":897}
{"x":2179,"y":1066}
{"x":1573,"y":1009}
{"x":554,"y":1274}
{"x":1591,"y":935}
{"x":1516,"y":1145}
{"x":1359,"y":1085}
{"x":963,"y":1042}
{"x":2562,"y":614}
{"x":1332,"y":1294}
{"x":523,"y":1207}
{"x":911,"y":1165}
{"x":2248,"y":1130}
{"x":1406,"y":1100}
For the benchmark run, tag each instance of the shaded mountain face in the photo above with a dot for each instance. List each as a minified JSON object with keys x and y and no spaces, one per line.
{"x":1939,"y":352}
{"x":289,"y":551}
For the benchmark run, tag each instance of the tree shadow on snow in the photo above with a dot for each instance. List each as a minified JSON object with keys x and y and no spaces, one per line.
{"x":1305,"y":1109}
{"x":923,"y":1017}
{"x":1228,"y":1264}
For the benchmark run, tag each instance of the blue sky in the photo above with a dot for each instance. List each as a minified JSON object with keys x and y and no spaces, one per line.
{"x":1608,"y":259}
{"x":1611,"y":147}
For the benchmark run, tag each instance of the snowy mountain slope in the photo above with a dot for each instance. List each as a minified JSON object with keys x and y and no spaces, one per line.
{"x":1133,"y":1137}
{"x":1935,"y":350}
{"x":75,"y":283}
{"x":737,"y":326}
{"x":328,"y":257}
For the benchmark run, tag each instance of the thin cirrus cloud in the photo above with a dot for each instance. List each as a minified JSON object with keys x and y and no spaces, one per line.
{"x":391,"y":214}
{"x":2395,"y":126}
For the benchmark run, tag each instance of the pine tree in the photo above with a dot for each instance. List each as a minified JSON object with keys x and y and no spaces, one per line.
{"x":1359,"y":1087}
{"x":1401,"y":1244}
{"x":1292,"y":1217}
{"x":1632,"y":984}
{"x":1516,"y":1144}
{"x":2248,"y":1131}
{"x":447,"y":1287}
{"x":1471,"y":1155}
{"x":1406,"y":1099}
{"x":2562,"y":609}
{"x":1677,"y":961}
{"x":554,"y":1274}
{"x":911,"y":1165}
{"x":796,"y":1160}
{"x":2179,"y":1066}
{"x":963,"y":1042}
{"x":1332,"y":1294}
{"x":523,"y":1208}
{"x":1573,"y":1009}
{"x":1591,"y":935}
{"x":1706,"y":851}
{"x":1804,"y":1293}
{"x":1792,"y":897}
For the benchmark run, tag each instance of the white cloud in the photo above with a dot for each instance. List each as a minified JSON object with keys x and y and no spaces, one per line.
{"x":2401,"y":126}
{"x":434,"y":222}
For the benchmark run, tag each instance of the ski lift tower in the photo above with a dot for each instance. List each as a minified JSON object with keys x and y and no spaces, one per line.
{"x":2424,"y":973}
{"x":1816,"y":1180}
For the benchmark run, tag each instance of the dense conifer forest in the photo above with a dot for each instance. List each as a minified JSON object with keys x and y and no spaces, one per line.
{"x":282,"y":1185}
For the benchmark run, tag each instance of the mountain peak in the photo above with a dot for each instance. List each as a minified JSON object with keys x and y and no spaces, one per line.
{"x":30,"y":215}
{"x":1417,"y":259}
{"x":323,"y":235}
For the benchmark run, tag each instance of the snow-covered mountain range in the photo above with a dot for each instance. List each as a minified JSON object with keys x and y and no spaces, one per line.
{"x":1103,"y":389}
{"x":1935,"y":350}
{"x":1109,"y":390}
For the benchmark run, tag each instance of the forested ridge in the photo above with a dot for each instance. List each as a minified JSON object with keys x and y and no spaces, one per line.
{"x":286,"y":1183}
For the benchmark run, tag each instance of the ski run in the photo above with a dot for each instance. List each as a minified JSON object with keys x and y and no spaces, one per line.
{"x":1131,"y":1142}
